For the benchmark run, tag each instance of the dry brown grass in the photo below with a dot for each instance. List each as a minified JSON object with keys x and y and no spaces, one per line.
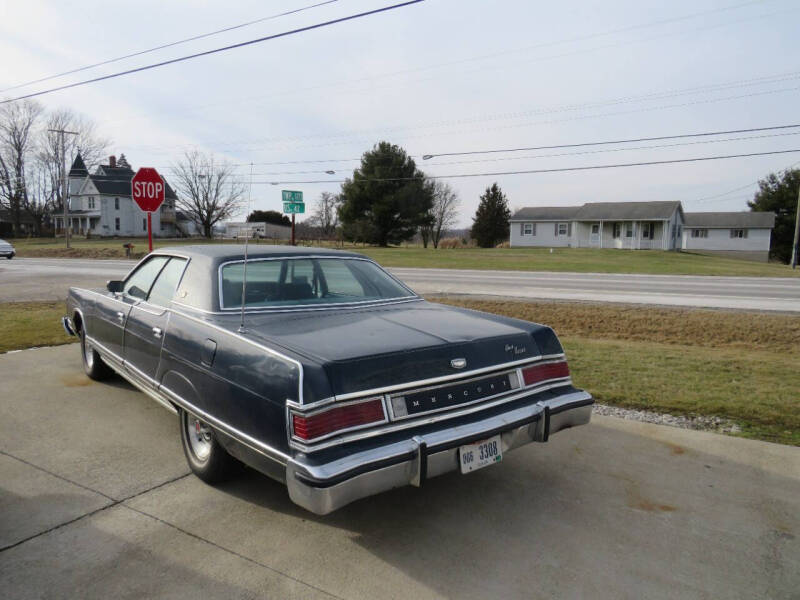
{"x":691,"y":327}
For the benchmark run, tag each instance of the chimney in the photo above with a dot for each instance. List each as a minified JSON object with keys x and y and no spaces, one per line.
{"x":112,"y":161}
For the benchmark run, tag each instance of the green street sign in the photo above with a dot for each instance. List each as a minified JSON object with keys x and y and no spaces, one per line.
{"x":294,"y":207}
{"x":292,"y":196}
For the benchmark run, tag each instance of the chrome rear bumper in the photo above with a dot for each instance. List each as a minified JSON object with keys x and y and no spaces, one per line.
{"x":322,"y":489}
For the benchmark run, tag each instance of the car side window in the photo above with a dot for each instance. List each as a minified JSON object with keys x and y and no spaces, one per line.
{"x":139,"y":283}
{"x":166,"y":283}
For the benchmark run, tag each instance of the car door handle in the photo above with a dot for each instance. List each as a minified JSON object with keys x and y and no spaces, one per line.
{"x":157,"y":331}
{"x":121,"y":317}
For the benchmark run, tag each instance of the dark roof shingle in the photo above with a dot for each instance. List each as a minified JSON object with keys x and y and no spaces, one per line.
{"x":730,"y":219}
{"x":545,"y":213}
{"x":625,"y":211}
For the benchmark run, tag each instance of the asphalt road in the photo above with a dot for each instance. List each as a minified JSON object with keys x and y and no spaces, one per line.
{"x":96,"y":502}
{"x":49,"y":278}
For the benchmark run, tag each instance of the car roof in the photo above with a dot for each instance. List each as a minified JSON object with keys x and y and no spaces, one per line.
{"x":225,"y":252}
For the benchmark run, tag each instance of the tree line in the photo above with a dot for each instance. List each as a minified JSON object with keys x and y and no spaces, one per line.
{"x":31,"y":161}
{"x":388,"y":200}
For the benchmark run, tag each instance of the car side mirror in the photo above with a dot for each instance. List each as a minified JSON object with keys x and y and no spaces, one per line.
{"x":114,"y":285}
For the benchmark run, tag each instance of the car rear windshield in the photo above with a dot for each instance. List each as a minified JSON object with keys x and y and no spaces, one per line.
{"x":306,"y":281}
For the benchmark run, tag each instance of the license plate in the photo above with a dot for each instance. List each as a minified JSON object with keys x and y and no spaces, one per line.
{"x":481,"y":454}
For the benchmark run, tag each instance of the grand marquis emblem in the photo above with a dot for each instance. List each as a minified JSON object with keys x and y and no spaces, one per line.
{"x":458,"y":363}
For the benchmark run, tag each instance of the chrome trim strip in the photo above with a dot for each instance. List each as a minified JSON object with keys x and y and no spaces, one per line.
{"x":412,"y":296}
{"x":290,"y":424}
{"x":239,"y":436}
{"x":303,"y":308}
{"x":434,"y":380}
{"x":427,"y":420}
{"x":113,"y":355}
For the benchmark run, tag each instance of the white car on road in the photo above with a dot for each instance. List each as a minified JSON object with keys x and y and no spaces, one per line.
{"x":7,"y":250}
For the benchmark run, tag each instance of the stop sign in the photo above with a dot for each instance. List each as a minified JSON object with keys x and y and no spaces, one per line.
{"x":147,"y":189}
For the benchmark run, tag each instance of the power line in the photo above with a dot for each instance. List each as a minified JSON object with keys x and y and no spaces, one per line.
{"x":217,"y":50}
{"x":609,"y":142}
{"x":536,"y":171}
{"x":168,"y":45}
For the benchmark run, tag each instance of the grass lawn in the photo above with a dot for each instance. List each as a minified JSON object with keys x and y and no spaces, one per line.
{"x":580,"y":260}
{"x":742,"y":366}
{"x":29,"y":324}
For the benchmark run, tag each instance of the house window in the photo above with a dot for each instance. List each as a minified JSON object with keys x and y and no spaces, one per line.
{"x":116,"y":223}
{"x":628,"y":230}
{"x":116,"y":205}
{"x":595,"y":229}
{"x":648,"y":231}
{"x":561,"y":229}
{"x":144,"y":224}
{"x":91,"y":202}
{"x":739,"y":233}
{"x":529,"y":229}
{"x":699,"y":233}
{"x":617,"y":231}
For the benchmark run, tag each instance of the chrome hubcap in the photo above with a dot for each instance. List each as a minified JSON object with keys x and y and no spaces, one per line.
{"x":199,"y":435}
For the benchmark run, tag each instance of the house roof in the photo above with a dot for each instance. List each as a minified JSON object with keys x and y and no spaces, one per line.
{"x":730,"y":219}
{"x":545,"y":213}
{"x":78,"y":167}
{"x":596,"y":211}
{"x":116,"y":181}
{"x":626,"y":211}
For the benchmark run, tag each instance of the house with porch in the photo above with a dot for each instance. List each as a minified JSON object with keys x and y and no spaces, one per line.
{"x":100,"y":203}
{"x":622,"y":225}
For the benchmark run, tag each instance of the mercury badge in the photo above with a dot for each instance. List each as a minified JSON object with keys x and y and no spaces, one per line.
{"x":458,"y":363}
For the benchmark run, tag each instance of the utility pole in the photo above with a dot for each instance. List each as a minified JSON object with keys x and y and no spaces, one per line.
{"x":796,"y":232}
{"x":64,"y":180}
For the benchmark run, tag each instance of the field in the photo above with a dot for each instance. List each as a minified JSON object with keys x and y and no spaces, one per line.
{"x":578,"y":260}
{"x":742,"y":366}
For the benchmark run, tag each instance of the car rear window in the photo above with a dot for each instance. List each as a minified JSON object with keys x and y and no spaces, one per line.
{"x":306,"y":281}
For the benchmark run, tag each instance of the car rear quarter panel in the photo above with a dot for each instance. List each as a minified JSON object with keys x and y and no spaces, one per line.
{"x":240,"y":383}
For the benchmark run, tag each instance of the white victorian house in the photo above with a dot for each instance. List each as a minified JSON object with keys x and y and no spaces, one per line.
{"x":100,"y":203}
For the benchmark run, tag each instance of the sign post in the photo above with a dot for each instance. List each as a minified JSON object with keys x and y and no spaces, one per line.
{"x":293,"y":204}
{"x":147,"y":190}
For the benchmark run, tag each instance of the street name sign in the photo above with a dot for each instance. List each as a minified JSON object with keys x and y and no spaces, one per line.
{"x":291,"y":208}
{"x":292,"y":196}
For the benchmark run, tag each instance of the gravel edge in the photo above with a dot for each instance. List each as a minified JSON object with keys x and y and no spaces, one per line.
{"x":700,"y":423}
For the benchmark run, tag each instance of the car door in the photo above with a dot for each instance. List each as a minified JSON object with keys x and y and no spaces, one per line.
{"x":147,"y":323}
{"x":112,"y":309}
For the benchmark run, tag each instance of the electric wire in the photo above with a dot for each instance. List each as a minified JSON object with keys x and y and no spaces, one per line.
{"x":217,"y":50}
{"x":168,"y":45}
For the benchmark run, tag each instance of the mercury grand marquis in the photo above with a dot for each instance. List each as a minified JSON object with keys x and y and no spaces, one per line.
{"x":321,"y":370}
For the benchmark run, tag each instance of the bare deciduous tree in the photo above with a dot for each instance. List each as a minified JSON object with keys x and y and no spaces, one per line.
{"x":18,"y":127}
{"x":91,"y":146}
{"x":326,"y":215}
{"x":443,"y":213}
{"x":207,"y":190}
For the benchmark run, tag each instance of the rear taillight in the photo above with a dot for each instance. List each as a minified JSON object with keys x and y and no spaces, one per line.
{"x":539,"y":373}
{"x":337,"y":418}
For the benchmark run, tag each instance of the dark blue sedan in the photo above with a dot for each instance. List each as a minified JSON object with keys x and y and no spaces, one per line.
{"x":321,"y":370}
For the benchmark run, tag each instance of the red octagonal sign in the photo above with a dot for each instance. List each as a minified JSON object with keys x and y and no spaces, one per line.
{"x":147,"y":189}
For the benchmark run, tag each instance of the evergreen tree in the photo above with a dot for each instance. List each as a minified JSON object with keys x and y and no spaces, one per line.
{"x":387,"y":200}
{"x":778,"y":194}
{"x":490,"y":225}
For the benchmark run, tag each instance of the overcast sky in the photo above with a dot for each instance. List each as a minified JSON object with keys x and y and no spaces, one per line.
{"x":436,"y":77}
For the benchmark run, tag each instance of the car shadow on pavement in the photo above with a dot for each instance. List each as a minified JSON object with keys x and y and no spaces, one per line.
{"x":563,"y":518}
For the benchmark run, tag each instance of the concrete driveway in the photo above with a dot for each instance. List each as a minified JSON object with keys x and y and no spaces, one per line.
{"x":96,"y":502}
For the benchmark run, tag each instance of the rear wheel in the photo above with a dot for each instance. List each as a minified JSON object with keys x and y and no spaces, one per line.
{"x":206,"y":457}
{"x":93,"y":365}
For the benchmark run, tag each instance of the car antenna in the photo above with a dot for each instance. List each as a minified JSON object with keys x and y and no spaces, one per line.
{"x":246,"y":239}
